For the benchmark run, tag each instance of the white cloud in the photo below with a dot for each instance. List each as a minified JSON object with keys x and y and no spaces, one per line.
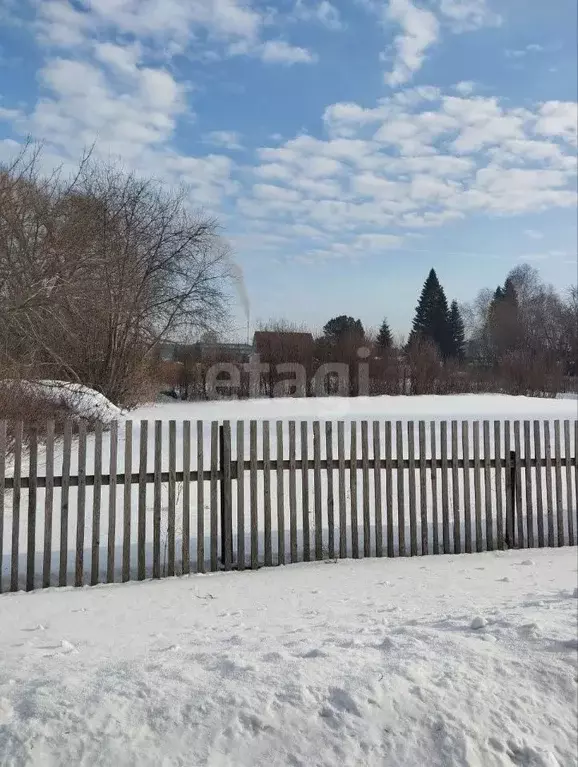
{"x":465,"y":15}
{"x":420,"y":30}
{"x":171,"y":22}
{"x":280,"y":52}
{"x":123,"y":59}
{"x":558,"y":118}
{"x":275,"y":193}
{"x":465,"y":87}
{"x":534,"y":234}
{"x":378,"y":241}
{"x":471,"y":155}
{"x":226,"y":139}
{"x":322,"y":12}
{"x":519,"y":53}
{"x":10,"y":115}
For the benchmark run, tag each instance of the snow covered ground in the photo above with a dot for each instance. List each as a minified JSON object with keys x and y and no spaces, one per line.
{"x":431,"y":409}
{"x":466,"y":661}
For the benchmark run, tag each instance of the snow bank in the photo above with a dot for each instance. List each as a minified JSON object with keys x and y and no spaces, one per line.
{"x":456,"y":661}
{"x":80,"y":400}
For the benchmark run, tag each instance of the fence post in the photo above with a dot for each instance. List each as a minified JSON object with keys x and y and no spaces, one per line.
{"x":225,"y":494}
{"x":511,"y":505}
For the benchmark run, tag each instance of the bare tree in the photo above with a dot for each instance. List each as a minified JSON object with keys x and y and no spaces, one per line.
{"x":97,"y":269}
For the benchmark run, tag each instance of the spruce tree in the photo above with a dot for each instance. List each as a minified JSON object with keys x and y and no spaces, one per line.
{"x":384,"y":339}
{"x":431,"y":320}
{"x":457,"y":332}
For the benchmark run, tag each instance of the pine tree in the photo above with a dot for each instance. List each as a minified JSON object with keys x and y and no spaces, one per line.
{"x":431,"y":320}
{"x":458,"y":336}
{"x":384,"y":338}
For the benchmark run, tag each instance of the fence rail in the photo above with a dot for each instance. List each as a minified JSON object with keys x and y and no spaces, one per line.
{"x":226,"y":496}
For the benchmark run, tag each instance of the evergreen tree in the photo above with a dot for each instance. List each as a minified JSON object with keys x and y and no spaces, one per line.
{"x":384,"y":338}
{"x":457,"y":332}
{"x":343,"y":327}
{"x":431,"y":320}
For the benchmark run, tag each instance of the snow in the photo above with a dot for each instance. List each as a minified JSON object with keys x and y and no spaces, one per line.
{"x":432,"y":409}
{"x":354,"y":663}
{"x":80,"y":400}
{"x":426,"y":407}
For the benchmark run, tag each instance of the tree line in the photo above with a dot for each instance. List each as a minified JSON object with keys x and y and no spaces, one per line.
{"x":520,"y":338}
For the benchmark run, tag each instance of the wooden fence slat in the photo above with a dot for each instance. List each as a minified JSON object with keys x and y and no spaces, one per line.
{"x":157,"y":499}
{"x":341,"y":488}
{"x":434,"y":491}
{"x":467,"y":492}
{"x":330,"y":490}
{"x":240,"y":495}
{"x":538,"y":477}
{"x":267,"y":494}
{"x":214,"y":492}
{"x":16,"y":494}
{"x":200,"y":497}
{"x":292,"y":492}
{"x":48,"y":504}
{"x":575,"y":510}
{"x":498,"y":475}
{"x":528,"y":507}
{"x":445,"y":487}
{"x":172,"y":499}
{"x":3,"y":446}
{"x":253,"y":495}
{"x":353,"y":490}
{"x":549,"y":497}
{"x":227,"y":496}
{"x":488,"y":488}
{"x":186,"y":531}
{"x":389,"y":488}
{"x":457,"y":531}
{"x":81,"y":505}
{"x":377,"y":489}
{"x":142,"y":500}
{"x":127,"y":501}
{"x":112,"y":470}
{"x":423,"y":488}
{"x":412,"y":488}
{"x":317,"y":490}
{"x":64,"y":500}
{"x":32,"y":491}
{"x":97,"y":489}
{"x":400,"y":489}
{"x":518,"y":515}
{"x":569,"y":506}
{"x":558,"y":480}
{"x":305,"y":492}
{"x":280,"y":497}
{"x":365,"y":488}
{"x":510,"y":490}
{"x":477,"y":486}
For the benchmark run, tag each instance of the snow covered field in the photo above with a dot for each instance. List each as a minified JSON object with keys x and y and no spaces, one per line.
{"x":355,"y":663}
{"x":431,"y":409}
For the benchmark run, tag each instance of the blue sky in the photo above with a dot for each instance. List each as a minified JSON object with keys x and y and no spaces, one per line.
{"x":346,"y":147}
